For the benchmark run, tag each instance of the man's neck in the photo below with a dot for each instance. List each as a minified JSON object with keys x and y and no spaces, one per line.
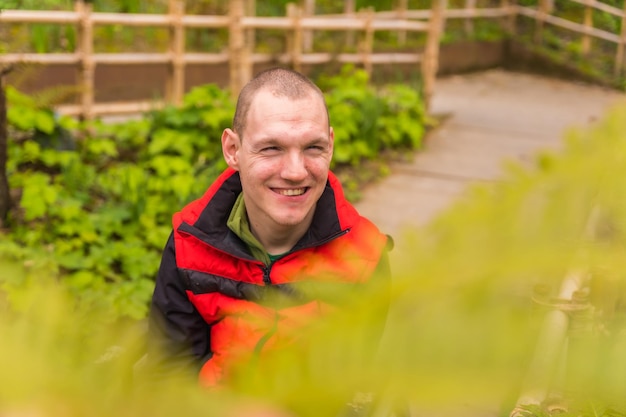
{"x":278,"y":239}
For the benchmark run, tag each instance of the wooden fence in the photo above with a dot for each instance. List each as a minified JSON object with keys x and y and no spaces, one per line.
{"x":545,"y":13}
{"x":298,"y":24}
{"x":240,"y":55}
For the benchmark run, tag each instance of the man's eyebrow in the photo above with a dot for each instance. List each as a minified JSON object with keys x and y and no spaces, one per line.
{"x":271,"y":141}
{"x":267,"y":141}
{"x":319,"y":140}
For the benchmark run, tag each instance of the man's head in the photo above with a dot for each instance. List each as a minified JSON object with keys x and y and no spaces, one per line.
{"x":282,"y":82}
{"x":281,"y":144}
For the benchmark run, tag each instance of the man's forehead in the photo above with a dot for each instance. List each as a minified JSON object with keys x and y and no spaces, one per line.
{"x":276,"y":91}
{"x":260,"y":101}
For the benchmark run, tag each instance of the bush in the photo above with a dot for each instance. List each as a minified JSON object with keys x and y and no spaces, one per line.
{"x":461,"y":325}
{"x":98,"y":205}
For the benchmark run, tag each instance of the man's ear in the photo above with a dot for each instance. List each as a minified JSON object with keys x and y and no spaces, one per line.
{"x":230,"y":148}
{"x":331,"y":136}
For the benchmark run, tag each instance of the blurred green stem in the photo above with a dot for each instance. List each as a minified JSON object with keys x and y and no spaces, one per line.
{"x":5,"y":202}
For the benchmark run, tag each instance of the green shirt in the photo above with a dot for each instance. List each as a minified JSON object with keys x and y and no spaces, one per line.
{"x":239,"y":224}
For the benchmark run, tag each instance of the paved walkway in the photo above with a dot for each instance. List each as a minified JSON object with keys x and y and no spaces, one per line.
{"x":491,"y":116}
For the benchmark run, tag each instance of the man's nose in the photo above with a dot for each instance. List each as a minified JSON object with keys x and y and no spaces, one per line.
{"x":294,"y":168}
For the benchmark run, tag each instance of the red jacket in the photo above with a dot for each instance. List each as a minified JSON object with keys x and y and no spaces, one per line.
{"x":215,"y":306}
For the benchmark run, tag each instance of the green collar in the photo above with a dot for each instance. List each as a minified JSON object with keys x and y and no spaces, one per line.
{"x":238,"y":223}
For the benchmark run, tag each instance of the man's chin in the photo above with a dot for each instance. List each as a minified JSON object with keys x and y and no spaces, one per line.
{"x":290,"y":220}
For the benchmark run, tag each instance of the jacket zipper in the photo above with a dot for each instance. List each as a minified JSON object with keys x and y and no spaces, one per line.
{"x":267,"y":269}
{"x":267,"y":280}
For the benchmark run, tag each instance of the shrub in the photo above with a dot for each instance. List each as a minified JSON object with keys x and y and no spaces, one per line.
{"x":97,"y":205}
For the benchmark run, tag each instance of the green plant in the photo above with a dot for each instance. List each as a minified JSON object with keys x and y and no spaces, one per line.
{"x":459,"y":332}
{"x":368,"y":121}
{"x":99,"y":203}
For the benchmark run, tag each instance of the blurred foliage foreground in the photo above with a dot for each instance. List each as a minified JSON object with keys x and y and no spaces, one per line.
{"x":461,"y":330}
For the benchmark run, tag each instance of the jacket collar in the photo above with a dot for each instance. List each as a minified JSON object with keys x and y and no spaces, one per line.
{"x":207,"y":217}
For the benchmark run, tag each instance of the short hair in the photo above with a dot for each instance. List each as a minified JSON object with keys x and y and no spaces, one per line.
{"x":282,"y":82}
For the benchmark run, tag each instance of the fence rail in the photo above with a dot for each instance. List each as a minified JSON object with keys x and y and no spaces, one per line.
{"x":239,"y":54}
{"x":568,"y":24}
{"x":298,"y":25}
{"x":545,"y":13}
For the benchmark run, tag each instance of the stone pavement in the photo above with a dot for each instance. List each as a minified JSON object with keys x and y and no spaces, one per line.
{"x":490,"y":117}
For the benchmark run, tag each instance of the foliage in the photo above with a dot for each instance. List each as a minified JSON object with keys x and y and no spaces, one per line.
{"x":532,"y":230}
{"x":459,"y":333}
{"x":61,"y":357}
{"x":366,"y":121}
{"x":370,"y":122}
{"x":565,"y":47}
{"x":99,"y":205}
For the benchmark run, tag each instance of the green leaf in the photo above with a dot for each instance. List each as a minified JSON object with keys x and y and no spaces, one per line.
{"x":70,"y":209}
{"x":17,"y":98}
{"x":171,"y":142}
{"x":102,"y":146}
{"x":37,"y":195}
{"x":31,"y":151}
{"x":44,"y":121}
{"x":73,"y":260}
{"x":83,"y":280}
{"x":108,"y":218}
{"x":166,"y":165}
{"x":131,"y":299}
{"x":21,"y":117}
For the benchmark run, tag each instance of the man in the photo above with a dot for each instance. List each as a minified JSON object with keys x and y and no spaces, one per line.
{"x":235,"y":272}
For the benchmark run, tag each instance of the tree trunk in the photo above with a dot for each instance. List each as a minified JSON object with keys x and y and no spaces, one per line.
{"x":5,"y":197}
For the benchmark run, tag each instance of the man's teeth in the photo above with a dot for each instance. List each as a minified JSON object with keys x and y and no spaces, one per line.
{"x":293,"y":192}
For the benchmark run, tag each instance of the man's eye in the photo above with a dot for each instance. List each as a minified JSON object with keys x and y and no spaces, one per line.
{"x":270,"y":149}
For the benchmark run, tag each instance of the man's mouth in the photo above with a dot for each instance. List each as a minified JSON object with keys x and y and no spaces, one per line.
{"x":291,"y":192}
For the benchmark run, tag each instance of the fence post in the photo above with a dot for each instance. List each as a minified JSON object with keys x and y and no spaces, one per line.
{"x":509,"y":21}
{"x":431,"y":51}
{"x":349,"y":8}
{"x":239,"y":60}
{"x":403,"y":5}
{"x":176,"y":76}
{"x":294,"y":42}
{"x":588,"y":24}
{"x":544,"y":9}
{"x":469,"y":21}
{"x":619,"y":57}
{"x":368,"y":41}
{"x":307,"y":35}
{"x":85,"y":52}
{"x":250,"y":42}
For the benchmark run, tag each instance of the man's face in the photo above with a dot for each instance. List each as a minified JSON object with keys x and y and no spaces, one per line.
{"x":283,"y":159}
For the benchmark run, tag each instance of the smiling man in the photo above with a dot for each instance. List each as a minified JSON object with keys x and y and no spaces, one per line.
{"x":235,"y":271}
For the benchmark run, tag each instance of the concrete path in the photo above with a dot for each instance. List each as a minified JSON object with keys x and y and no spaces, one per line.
{"x":492,"y":116}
